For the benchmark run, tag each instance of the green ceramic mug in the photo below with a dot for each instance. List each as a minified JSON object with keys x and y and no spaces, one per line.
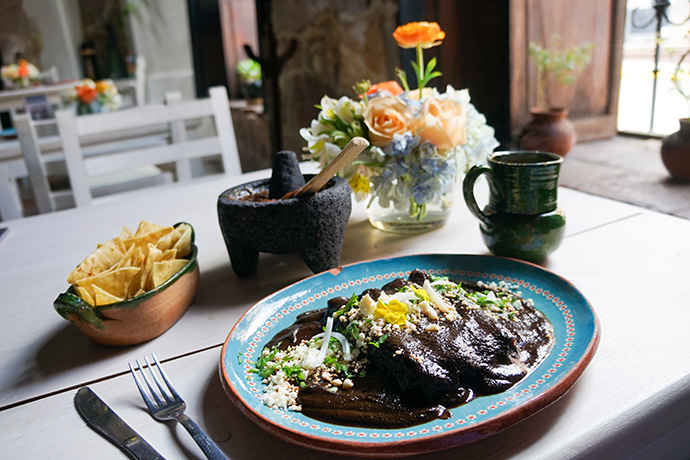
{"x":522,"y":218}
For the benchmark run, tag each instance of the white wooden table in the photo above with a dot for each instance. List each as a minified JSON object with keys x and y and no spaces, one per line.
{"x":13,"y":99}
{"x":633,"y":401}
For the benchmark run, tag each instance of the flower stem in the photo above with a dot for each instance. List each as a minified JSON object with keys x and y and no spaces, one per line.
{"x":420,"y":63}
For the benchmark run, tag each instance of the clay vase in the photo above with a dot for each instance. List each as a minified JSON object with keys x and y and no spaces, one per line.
{"x":675,"y":152}
{"x":548,"y":131}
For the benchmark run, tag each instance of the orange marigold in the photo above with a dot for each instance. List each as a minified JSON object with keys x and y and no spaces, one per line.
{"x":391,"y":86}
{"x":424,"y":34}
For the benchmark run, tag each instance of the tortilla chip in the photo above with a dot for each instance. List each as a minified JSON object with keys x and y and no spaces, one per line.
{"x":149,"y":238}
{"x":152,"y":255}
{"x":184,"y":243}
{"x":131,"y":264}
{"x":84,"y":294}
{"x":101,"y":259}
{"x":147,"y":227}
{"x":116,"y":281}
{"x":164,"y":270}
{"x":138,"y":260}
{"x":126,"y":233}
{"x":104,"y":297}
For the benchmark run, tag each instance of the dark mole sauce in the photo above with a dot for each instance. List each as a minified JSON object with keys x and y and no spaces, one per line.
{"x":252,"y":194}
{"x":396,"y":392}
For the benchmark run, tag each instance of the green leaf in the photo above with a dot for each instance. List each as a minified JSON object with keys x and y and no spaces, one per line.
{"x":430,"y":65}
{"x":430,"y":77}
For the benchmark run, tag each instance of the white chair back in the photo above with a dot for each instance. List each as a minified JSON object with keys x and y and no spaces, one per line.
{"x":28,"y":139}
{"x":72,"y":129}
{"x":140,"y":80}
{"x":41,"y":159}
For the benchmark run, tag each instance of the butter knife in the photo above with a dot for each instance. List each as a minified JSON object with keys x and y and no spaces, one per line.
{"x":104,"y":420}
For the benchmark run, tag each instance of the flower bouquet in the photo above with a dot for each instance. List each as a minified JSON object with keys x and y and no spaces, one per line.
{"x":21,"y":74}
{"x":421,"y":140}
{"x":94,"y":97}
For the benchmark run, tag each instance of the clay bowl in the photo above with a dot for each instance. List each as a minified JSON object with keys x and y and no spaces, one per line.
{"x":312,"y":226}
{"x":136,"y":320}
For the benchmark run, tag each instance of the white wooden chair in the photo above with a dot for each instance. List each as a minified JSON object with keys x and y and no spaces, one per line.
{"x":42,"y":159}
{"x":133,"y":90}
{"x":183,"y":148}
{"x":140,"y":80}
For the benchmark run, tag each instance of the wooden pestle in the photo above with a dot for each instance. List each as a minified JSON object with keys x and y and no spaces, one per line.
{"x":349,"y":153}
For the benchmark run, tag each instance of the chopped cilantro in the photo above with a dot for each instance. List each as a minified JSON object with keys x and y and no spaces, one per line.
{"x":352,"y":303}
{"x":381,"y":339}
{"x":264,"y":358}
{"x":351,"y":331}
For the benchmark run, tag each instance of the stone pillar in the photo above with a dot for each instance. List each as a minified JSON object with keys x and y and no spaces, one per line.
{"x":338,"y":44}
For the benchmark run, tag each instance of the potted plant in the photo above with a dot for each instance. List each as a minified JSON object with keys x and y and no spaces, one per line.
{"x":550,"y":130}
{"x":249,"y":72}
{"x":675,"y":149}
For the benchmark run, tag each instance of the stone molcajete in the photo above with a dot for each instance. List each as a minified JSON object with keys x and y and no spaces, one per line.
{"x":254,"y":218}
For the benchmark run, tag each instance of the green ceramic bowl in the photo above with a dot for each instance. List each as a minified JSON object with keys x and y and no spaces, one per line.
{"x":140,"y":318}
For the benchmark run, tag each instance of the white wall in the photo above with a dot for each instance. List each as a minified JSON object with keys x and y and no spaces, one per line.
{"x":160,"y":33}
{"x":60,"y":26}
{"x":159,"y":30}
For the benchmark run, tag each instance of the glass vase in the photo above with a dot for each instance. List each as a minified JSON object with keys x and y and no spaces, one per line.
{"x":411,"y":217}
{"x":88,"y":109}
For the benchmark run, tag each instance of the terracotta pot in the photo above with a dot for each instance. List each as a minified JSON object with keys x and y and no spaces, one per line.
{"x":548,"y":131}
{"x":675,"y":151}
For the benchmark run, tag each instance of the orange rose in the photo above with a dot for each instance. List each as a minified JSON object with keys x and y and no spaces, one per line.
{"x":22,"y":68}
{"x":418,"y":95}
{"x":442,"y":123}
{"x":391,"y":86}
{"x":386,"y":116}
{"x":424,"y":34}
{"x":86,"y":93}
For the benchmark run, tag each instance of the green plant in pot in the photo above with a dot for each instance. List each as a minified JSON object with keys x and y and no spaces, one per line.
{"x":249,"y":72}
{"x":550,"y":130}
{"x":675,"y":149}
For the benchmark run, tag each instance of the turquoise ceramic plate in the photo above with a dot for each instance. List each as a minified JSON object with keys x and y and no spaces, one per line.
{"x":576,"y":331}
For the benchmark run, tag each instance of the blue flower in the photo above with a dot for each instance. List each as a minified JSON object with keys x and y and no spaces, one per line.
{"x":415,"y":105}
{"x":402,"y":145}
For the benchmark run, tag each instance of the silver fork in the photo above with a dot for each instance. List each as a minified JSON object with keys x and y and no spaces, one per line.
{"x":171,"y":406}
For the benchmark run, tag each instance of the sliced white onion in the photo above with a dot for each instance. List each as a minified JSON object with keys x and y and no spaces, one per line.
{"x":404,"y":296}
{"x":326,"y":339}
{"x":344,"y":343}
{"x":436,"y":298}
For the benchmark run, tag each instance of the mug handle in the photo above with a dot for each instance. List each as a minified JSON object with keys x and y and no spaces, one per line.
{"x":468,"y":190}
